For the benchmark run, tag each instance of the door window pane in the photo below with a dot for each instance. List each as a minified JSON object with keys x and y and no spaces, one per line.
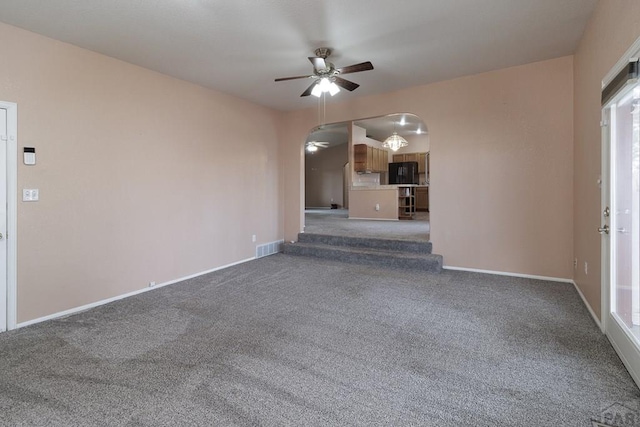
{"x":625,"y":233}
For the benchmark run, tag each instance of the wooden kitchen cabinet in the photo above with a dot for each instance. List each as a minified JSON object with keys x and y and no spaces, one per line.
{"x":411,"y":157}
{"x":421,"y":158}
{"x":422,"y":198}
{"x":376,"y":159}
{"x":422,"y":162}
{"x":360,"y":157}
{"x":383,"y":159}
{"x":369,"y":159}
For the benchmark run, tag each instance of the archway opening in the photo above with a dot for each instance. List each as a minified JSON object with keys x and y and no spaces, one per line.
{"x":355,"y":185}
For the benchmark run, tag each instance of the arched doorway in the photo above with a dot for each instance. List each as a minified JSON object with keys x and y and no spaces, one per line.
{"x":367,"y":182}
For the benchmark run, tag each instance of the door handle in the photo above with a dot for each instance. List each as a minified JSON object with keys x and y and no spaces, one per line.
{"x":604,"y":229}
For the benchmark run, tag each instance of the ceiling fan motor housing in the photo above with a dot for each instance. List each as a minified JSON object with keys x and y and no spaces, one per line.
{"x":323,"y":52}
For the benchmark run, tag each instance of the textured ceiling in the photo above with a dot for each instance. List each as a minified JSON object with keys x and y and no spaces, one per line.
{"x":240,"y":46}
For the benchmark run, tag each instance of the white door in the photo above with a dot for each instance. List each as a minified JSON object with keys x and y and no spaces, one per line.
{"x":3,"y":219}
{"x":621,"y":217}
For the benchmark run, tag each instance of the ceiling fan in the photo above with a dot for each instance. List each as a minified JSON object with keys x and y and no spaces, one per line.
{"x":327,"y":77}
{"x":312,"y":146}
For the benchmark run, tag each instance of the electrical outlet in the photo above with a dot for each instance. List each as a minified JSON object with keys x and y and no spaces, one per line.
{"x":377,"y":206}
{"x":586,"y":268}
{"x":152,"y":284}
{"x":575,"y":263}
{"x":253,"y":238}
{"x":30,"y":194}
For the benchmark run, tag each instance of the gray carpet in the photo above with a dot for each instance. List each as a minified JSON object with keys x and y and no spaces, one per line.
{"x":293,"y":341}
{"x":337,"y":222}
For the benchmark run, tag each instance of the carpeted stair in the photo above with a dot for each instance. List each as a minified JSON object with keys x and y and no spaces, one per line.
{"x":404,"y":254}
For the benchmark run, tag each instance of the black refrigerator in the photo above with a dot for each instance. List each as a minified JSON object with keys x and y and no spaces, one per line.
{"x":403,"y":173}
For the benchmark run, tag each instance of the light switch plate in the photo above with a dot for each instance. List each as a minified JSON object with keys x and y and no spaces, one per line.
{"x":30,"y":194}
{"x":30,"y":159}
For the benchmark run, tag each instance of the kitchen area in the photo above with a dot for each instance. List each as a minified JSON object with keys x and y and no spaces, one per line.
{"x":386,"y":184}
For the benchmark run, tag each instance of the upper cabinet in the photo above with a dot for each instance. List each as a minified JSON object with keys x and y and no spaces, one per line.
{"x":411,"y":157}
{"x":421,"y":158}
{"x":369,"y":159}
{"x":422,"y":162}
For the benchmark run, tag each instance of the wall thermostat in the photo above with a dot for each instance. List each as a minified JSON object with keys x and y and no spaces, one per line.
{"x":29,"y":156}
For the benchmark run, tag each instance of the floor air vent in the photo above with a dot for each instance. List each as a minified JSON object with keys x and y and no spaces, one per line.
{"x":269,"y":248}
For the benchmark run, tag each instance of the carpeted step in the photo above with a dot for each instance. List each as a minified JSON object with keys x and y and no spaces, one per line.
{"x":367,"y":243}
{"x":383,"y":258}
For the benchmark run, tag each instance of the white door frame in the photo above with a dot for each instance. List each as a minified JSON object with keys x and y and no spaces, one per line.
{"x":604,"y":241}
{"x":620,"y":338}
{"x":12,"y":212}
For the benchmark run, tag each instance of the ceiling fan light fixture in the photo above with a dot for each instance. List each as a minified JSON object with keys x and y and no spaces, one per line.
{"x":395,"y":142}
{"x":333,"y":89}
{"x":312,"y":148}
{"x":325,"y":85}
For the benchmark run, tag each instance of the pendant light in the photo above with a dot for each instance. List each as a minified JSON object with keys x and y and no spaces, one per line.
{"x":395,"y":141}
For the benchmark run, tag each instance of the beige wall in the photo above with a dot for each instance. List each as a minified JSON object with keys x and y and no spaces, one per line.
{"x":501,"y":164}
{"x":137,"y":184}
{"x":324,"y":181}
{"x":142,"y":177}
{"x":612,"y":29}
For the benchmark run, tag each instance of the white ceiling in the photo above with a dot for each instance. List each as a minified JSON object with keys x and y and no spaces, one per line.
{"x":240,"y":46}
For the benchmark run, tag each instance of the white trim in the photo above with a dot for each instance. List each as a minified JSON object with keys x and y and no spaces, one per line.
{"x":624,"y":344}
{"x":586,"y":303}
{"x":605,"y":201}
{"x":12,"y":212}
{"x":630,"y":54}
{"x":129,"y":294}
{"x":506,"y":273}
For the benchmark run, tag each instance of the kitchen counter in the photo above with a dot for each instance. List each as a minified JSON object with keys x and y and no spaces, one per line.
{"x":377,"y":201}
{"x":386,"y":187}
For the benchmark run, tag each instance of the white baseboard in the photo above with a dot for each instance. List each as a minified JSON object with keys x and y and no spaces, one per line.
{"x":531,"y":276}
{"x":586,"y":303}
{"x":119,"y":297}
{"x":506,"y":273}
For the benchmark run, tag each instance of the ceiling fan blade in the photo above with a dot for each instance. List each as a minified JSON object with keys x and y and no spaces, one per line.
{"x":292,"y":78}
{"x":364,"y":66}
{"x":309,"y":89}
{"x":318,"y":63}
{"x":346,"y":84}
